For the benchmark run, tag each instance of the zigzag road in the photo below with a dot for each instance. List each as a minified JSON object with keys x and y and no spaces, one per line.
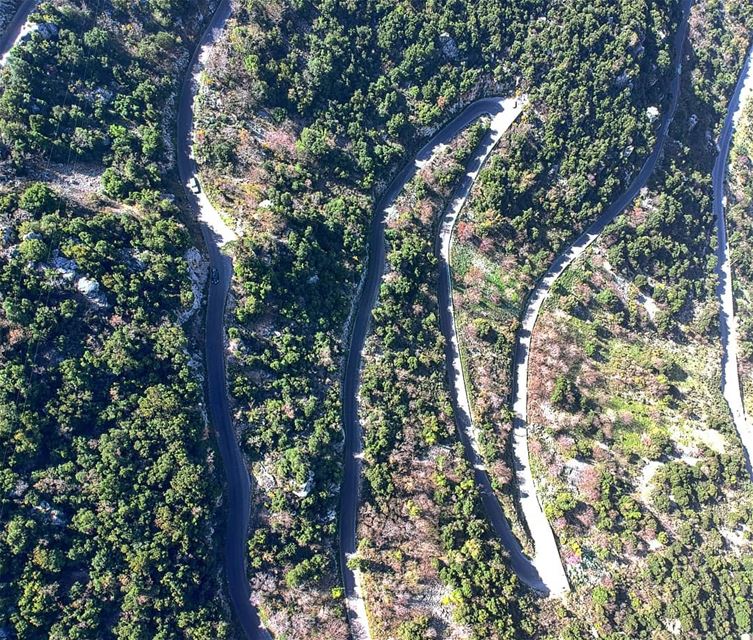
{"x":503,"y":114}
{"x":546,"y":572}
{"x":546,"y":552}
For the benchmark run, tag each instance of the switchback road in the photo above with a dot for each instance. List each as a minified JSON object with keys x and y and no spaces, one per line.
{"x":546,"y":552}
{"x":539,"y":578}
{"x":503,"y":113}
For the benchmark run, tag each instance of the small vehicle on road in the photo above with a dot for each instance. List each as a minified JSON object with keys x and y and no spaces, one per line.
{"x":193,"y":184}
{"x":215,"y":276}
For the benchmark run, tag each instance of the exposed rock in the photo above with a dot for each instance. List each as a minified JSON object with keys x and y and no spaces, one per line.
{"x":306,"y":487}
{"x":198,"y":270}
{"x":65,"y":267}
{"x":47,"y":30}
{"x":90,"y":289}
{"x":449,"y":46}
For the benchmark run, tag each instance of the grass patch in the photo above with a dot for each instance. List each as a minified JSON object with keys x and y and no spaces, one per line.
{"x":461,"y":260}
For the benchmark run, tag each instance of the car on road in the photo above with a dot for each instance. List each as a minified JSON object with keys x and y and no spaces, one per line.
{"x":215,"y":276}
{"x":193,"y":184}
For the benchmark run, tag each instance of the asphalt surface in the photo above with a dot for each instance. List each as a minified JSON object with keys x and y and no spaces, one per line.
{"x":502,"y":119}
{"x":731,"y":387}
{"x":238,"y":490}
{"x":543,"y":538}
{"x":12,"y":32}
{"x":353,"y":448}
{"x":238,"y":487}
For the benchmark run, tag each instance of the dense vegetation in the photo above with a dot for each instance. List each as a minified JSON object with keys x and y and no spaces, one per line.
{"x":587,"y":131}
{"x":7,"y":9}
{"x":421,"y":520}
{"x":307,"y":110}
{"x":92,"y":83}
{"x":299,"y":130}
{"x":108,"y":507}
{"x":107,"y":503}
{"x":638,"y":463}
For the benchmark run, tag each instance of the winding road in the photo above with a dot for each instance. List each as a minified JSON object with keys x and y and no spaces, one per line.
{"x":546,"y":572}
{"x":731,"y":387}
{"x":215,"y":233}
{"x":503,"y":114}
{"x":522,"y":565}
{"x":547,"y":558}
{"x":16,"y":29}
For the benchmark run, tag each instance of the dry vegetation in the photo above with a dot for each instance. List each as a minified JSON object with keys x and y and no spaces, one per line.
{"x":637,"y":461}
{"x":636,"y":457}
{"x":399,"y":528}
{"x":546,"y":182}
{"x":430,"y":567}
{"x":306,"y":110}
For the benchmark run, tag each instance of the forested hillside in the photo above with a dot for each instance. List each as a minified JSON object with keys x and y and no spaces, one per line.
{"x":108,"y":491}
{"x":299,"y":131}
{"x":109,"y":483}
{"x":428,"y":557}
{"x":588,"y":132}
{"x":92,"y":84}
{"x":110,"y":486}
{"x":306,"y":111}
{"x":638,"y":465}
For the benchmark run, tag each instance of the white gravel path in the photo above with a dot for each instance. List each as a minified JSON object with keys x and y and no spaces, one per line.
{"x":731,"y":387}
{"x":208,"y":214}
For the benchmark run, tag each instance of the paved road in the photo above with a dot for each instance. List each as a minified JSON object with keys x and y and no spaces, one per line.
{"x":543,"y":538}
{"x":15,"y":29}
{"x":353,"y":454}
{"x":502,"y":118}
{"x":238,"y":484}
{"x":728,"y":325}
{"x":238,"y":489}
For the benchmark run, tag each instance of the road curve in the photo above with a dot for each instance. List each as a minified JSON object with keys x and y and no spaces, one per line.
{"x":546,"y":552}
{"x":238,"y":489}
{"x":353,"y":449}
{"x":15,"y":29}
{"x":506,"y":113}
{"x":731,"y":387}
